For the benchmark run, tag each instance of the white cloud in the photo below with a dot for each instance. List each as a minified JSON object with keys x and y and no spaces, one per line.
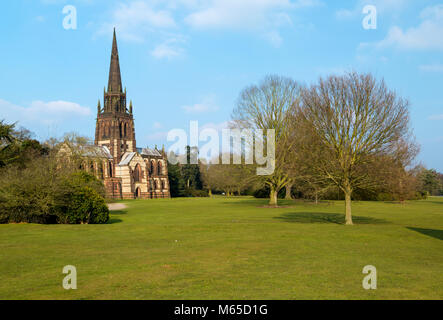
{"x":431,"y":68}
{"x":160,"y":135}
{"x":436,"y":117}
{"x":139,"y":20}
{"x":216,"y":126}
{"x":383,"y":7}
{"x":136,"y":19}
{"x":170,"y":48}
{"x":263,"y":16}
{"x":207,"y":105}
{"x":199,"y":108}
{"x":58,"y":108}
{"x":157,"y":125}
{"x":45,"y":113}
{"x":274,"y":38}
{"x":345,"y":13}
{"x":387,"y":5}
{"x":164,"y":50}
{"x":245,"y":14}
{"x":426,"y":36}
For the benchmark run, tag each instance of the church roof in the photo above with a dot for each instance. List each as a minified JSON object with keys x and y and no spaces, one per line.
{"x":91,"y":150}
{"x":106,"y":152}
{"x":150,"y":152}
{"x":115,"y":79}
{"x":127,"y":157}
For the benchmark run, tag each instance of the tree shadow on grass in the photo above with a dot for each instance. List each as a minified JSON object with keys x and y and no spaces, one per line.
{"x":117,"y":212}
{"x":245,"y":202}
{"x":114,"y":220}
{"x":438,"y":234}
{"x":322,"y":217}
{"x":433,"y":202}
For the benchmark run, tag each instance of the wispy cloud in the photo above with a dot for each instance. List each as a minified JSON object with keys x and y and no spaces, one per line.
{"x":157,"y":125}
{"x":40,"y":116}
{"x":436,"y":117}
{"x":136,"y":19}
{"x":170,"y":48}
{"x":425,"y":36}
{"x":46,"y":112}
{"x":156,"y":136}
{"x":265,"y":16}
{"x":438,"y":68}
{"x":383,"y":7}
{"x":40,"y":19}
{"x":207,"y":105}
{"x":216,"y":126}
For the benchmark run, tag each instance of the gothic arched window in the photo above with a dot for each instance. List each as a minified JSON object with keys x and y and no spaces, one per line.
{"x":160,"y":169}
{"x":110,"y":169}
{"x":152,"y":169}
{"x":137,"y":173}
{"x":100,"y":170}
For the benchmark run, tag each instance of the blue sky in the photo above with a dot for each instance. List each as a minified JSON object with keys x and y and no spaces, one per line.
{"x":185,"y":60}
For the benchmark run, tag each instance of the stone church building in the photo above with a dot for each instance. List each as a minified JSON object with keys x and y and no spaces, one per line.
{"x":128,"y":172}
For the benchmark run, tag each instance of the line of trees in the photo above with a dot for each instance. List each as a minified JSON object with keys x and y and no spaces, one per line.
{"x":344,"y":137}
{"x":345,"y":131}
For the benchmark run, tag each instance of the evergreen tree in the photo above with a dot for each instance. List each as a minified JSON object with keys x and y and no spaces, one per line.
{"x":191,"y":172}
{"x":176,"y":182}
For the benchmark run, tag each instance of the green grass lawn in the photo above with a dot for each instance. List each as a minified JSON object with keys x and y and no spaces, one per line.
{"x":231,"y":248}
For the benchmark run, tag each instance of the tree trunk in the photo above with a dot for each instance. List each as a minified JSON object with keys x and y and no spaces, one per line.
{"x":288,"y":192}
{"x":273,"y":197}
{"x":316,"y":197}
{"x":210,"y":193}
{"x":348,"y":207}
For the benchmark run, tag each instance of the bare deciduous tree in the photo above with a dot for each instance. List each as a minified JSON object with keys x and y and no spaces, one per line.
{"x":267,"y":106}
{"x":354,"y":119}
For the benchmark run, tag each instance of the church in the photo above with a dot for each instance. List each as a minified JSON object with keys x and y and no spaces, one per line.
{"x":128,"y":172}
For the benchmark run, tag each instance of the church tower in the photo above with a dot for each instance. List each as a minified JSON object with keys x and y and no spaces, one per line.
{"x":115,"y":122}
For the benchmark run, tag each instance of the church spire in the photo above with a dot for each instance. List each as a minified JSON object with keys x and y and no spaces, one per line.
{"x":115,"y":80}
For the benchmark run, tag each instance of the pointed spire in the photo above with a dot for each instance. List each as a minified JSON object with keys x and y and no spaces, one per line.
{"x":130,"y":107}
{"x":115,"y":81}
{"x":99,"y":106}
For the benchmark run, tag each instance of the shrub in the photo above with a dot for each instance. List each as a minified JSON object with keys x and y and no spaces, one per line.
{"x":383,"y":196}
{"x":190,"y":192}
{"x":26,"y":195}
{"x":200,"y":193}
{"x":43,"y":192}
{"x":82,"y":204}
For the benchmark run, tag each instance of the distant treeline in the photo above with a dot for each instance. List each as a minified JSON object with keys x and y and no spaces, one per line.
{"x":203,"y":180}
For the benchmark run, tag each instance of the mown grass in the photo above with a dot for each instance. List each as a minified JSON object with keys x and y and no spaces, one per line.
{"x":231,"y":248}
